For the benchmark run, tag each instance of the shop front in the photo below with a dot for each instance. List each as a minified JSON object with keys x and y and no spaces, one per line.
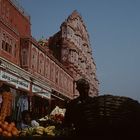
{"x":20,"y":92}
{"x":28,"y":91}
{"x":41,"y":100}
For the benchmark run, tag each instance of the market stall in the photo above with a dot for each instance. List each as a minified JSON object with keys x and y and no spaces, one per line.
{"x":106,"y":116}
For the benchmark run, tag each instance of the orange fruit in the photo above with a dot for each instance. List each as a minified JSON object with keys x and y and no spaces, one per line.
{"x":1,"y":130}
{"x":9,"y":128}
{"x":0,"y":123}
{"x":14,"y":132}
{"x":4,"y":126}
{"x":14,"y":128}
{"x":4,"y":133}
{"x":9,"y":134}
{"x":12,"y":123}
{"x":5,"y":122}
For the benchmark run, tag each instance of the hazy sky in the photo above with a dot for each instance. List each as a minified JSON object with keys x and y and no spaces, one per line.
{"x":114,"y":30}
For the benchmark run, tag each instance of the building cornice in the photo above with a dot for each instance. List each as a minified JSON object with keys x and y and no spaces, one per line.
{"x":20,"y":9}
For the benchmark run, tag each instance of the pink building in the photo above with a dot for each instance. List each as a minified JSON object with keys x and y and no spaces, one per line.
{"x":71,"y":46}
{"x":28,"y":67}
{"x":46,"y":69}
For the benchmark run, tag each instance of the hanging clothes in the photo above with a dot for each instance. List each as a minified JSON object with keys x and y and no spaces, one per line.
{"x":22,"y":104}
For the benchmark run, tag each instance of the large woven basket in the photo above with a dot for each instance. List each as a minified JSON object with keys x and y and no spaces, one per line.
{"x":112,"y":114}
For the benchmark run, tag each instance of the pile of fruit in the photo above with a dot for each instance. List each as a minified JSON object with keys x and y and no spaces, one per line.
{"x":8,"y":129}
{"x":6,"y":105}
{"x":38,"y":131}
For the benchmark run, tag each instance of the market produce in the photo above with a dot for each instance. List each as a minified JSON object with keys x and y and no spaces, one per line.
{"x":57,"y":115}
{"x":38,"y":131}
{"x":8,"y":129}
{"x":50,"y":130}
{"x":27,"y":132}
{"x":6,"y":105}
{"x":58,"y":110}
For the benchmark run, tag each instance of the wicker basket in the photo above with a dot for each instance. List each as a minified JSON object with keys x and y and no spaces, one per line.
{"x":112,"y":114}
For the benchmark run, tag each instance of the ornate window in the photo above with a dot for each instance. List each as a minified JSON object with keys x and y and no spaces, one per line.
{"x":41,"y":64}
{"x":34,"y":59}
{"x":8,"y":44}
{"x":65,"y":53}
{"x":24,"y":57}
{"x":47,"y":68}
{"x":56,"y":75}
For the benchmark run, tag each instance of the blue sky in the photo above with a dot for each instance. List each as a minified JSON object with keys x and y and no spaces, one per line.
{"x":114,"y":30}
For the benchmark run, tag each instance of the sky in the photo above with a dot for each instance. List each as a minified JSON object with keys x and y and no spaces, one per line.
{"x":114,"y":30}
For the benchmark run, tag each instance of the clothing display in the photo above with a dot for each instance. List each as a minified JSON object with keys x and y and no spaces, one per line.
{"x":22,"y":104}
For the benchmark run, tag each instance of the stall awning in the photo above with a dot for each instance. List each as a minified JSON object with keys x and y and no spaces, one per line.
{"x":37,"y":90}
{"x":14,"y":80}
{"x":43,"y":95}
